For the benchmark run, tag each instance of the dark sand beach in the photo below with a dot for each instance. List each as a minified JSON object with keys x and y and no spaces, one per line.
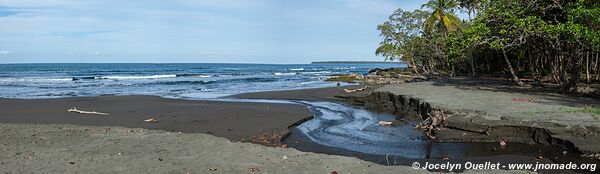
{"x":236,"y":121}
{"x":314,"y":94}
{"x":232,"y":120}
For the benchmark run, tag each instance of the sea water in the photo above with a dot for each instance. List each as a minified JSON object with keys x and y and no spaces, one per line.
{"x":188,"y":81}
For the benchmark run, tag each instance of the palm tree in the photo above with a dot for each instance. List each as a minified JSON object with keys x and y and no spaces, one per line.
{"x":470,"y":6}
{"x":442,"y":16}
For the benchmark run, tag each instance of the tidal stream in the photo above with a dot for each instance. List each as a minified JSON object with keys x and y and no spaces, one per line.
{"x":353,"y":131}
{"x":341,"y":129}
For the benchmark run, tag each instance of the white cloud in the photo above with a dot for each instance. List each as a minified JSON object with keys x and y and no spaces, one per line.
{"x":156,"y":28}
{"x":36,"y":3}
{"x":5,"y":52}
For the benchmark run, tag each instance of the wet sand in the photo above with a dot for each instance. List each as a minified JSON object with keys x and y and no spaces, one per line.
{"x":51,"y":148}
{"x":489,"y":112}
{"x":232,"y":120}
{"x":316,"y":94}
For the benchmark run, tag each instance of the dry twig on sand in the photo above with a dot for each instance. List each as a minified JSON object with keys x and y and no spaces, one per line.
{"x":355,"y":90}
{"x":74,"y":109}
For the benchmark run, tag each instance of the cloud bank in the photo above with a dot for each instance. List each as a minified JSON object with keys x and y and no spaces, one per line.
{"x":250,"y":31}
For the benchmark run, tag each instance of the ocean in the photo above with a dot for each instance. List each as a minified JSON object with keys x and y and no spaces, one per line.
{"x":183,"y":81}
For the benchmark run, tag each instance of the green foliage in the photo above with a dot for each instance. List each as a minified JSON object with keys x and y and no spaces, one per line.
{"x":400,"y":28}
{"x":456,"y":47}
{"x":540,"y":36}
{"x":418,"y":37}
{"x":441,"y":18}
{"x":595,"y":111}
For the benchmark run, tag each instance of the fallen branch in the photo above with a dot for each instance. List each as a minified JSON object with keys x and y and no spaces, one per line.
{"x":355,"y":90}
{"x":74,"y":109}
{"x":434,"y":121}
{"x":385,"y":123}
{"x":151,"y":120}
{"x":412,"y":77}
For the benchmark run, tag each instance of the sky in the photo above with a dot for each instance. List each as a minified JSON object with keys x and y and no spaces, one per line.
{"x":192,"y":31}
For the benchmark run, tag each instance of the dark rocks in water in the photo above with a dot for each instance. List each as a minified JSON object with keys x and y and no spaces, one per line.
{"x":379,"y":76}
{"x":375,"y":70}
{"x":393,"y":76}
{"x":348,"y":78}
{"x":389,"y":72}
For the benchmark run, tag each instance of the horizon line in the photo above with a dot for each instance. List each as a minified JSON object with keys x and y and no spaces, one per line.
{"x":326,"y":61}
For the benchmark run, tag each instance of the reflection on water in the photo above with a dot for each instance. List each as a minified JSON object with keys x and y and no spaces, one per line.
{"x":346,"y":127}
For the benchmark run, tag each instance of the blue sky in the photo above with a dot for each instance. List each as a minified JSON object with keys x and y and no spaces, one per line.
{"x":157,"y":31}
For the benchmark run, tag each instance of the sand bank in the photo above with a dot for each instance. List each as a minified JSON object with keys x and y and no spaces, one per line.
{"x":233,"y":120}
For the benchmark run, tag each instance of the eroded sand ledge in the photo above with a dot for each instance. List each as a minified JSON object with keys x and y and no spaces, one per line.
{"x":477,"y":114}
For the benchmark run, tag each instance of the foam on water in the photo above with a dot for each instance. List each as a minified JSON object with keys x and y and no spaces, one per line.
{"x":341,"y":126}
{"x":189,"y":81}
{"x":138,"y":77}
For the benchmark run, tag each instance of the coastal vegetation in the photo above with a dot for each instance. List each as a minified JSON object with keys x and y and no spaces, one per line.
{"x":538,"y":41}
{"x":595,"y":111}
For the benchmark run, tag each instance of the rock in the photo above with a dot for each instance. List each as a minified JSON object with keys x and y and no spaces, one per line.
{"x":375,"y":70}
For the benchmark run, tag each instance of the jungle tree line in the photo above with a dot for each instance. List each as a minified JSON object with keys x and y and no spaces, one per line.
{"x":547,"y":40}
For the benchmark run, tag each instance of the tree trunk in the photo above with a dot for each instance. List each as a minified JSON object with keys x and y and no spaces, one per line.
{"x":574,"y":69}
{"x":587,"y":67}
{"x":510,"y":68}
{"x":597,"y":66}
{"x":414,"y":66}
{"x":473,"y":73}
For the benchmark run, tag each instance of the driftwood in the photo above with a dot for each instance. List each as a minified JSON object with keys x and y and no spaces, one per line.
{"x":434,"y":121}
{"x":74,"y":109}
{"x":385,"y":123}
{"x":412,"y":77}
{"x":151,"y":120}
{"x":355,"y":90}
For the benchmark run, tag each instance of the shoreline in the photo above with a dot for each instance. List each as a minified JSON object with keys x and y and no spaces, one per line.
{"x":60,"y":148}
{"x":260,"y":123}
{"x":171,"y":113}
{"x":261,"y":113}
{"x":287,"y":115}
